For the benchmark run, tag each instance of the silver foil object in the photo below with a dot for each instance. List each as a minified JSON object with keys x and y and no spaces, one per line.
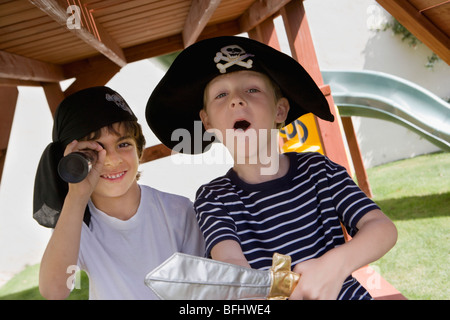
{"x":186,"y":277}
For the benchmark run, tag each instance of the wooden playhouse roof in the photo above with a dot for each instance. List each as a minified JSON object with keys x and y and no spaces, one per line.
{"x":36,"y":45}
{"x":40,"y":47}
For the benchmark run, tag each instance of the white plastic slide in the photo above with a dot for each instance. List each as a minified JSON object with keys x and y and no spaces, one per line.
{"x":383,"y":96}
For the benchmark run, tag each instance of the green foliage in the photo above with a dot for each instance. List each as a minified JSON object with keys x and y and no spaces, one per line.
{"x":399,"y":30}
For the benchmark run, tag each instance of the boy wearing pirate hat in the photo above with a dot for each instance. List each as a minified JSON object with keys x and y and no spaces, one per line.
{"x":106,"y":224}
{"x":242,"y":91}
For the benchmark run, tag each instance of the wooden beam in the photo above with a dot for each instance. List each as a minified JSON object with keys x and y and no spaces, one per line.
{"x":95,"y":77}
{"x":149,"y":49}
{"x":265,"y":32}
{"x":54,"y":95}
{"x":357,"y":160}
{"x":419,"y":25}
{"x":135,"y":53}
{"x":88,"y":65}
{"x":198,"y":16}
{"x":154,"y":48}
{"x":300,"y":39}
{"x":302,"y":49}
{"x":228,"y":28}
{"x":258,"y":12}
{"x":13,"y":66}
{"x":89,"y":31}
{"x":155,"y":152}
{"x":8,"y":97}
{"x":4,"y":82}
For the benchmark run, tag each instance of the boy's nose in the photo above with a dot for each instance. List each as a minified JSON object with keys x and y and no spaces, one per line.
{"x":237,"y":101}
{"x":112,"y":158}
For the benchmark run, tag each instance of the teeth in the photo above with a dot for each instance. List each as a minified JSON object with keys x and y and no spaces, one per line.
{"x":113,"y":176}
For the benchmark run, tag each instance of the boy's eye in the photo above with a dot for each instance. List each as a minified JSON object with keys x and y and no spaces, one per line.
{"x":124,"y":144}
{"x":252,"y":90}
{"x":221,"y":95}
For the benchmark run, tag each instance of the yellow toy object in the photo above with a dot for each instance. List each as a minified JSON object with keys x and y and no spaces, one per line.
{"x":301,"y":135}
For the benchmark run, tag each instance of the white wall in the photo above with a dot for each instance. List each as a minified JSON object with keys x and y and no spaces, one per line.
{"x":21,"y":239}
{"x":344,"y":36}
{"x":342,"y":41}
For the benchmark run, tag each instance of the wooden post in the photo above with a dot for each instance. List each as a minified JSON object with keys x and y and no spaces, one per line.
{"x":8,"y":97}
{"x":54,"y":95}
{"x":265,"y":32}
{"x":355,"y":152}
{"x":95,"y":74}
{"x":302,"y":48}
{"x":95,"y":77}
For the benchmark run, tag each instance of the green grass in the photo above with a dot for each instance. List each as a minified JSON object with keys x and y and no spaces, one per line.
{"x":24,"y":286}
{"x":414,"y":193}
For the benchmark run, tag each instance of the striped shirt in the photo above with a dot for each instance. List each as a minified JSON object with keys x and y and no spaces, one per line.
{"x":297,"y":215}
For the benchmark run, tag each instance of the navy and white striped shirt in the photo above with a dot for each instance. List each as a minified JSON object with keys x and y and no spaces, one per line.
{"x":297,"y":215}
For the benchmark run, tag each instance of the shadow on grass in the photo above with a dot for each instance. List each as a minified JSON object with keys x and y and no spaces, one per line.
{"x":417,"y":207}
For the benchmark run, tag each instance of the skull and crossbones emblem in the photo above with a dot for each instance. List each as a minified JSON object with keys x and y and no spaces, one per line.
{"x":118,"y":100}
{"x":232,"y":55}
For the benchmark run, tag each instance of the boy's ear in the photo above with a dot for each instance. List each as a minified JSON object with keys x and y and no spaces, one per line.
{"x":204,"y":118}
{"x":282,"y":110}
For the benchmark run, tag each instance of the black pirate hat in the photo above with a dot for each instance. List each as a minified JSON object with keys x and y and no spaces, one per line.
{"x":177,"y":99}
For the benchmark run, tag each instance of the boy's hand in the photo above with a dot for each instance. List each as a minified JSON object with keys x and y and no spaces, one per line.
{"x":320,"y":279}
{"x":87,"y":186}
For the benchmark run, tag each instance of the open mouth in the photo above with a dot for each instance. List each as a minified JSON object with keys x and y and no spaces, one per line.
{"x":241,"y":124}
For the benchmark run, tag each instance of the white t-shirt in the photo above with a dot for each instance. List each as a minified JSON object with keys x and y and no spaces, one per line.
{"x":118,"y":254}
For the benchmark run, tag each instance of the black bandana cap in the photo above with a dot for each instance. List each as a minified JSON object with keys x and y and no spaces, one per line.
{"x":77,"y":116}
{"x":177,"y":100}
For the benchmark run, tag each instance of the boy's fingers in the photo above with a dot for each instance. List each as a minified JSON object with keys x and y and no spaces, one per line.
{"x":81,"y":145}
{"x":100,"y":160}
{"x":70,"y":147}
{"x":101,"y":157}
